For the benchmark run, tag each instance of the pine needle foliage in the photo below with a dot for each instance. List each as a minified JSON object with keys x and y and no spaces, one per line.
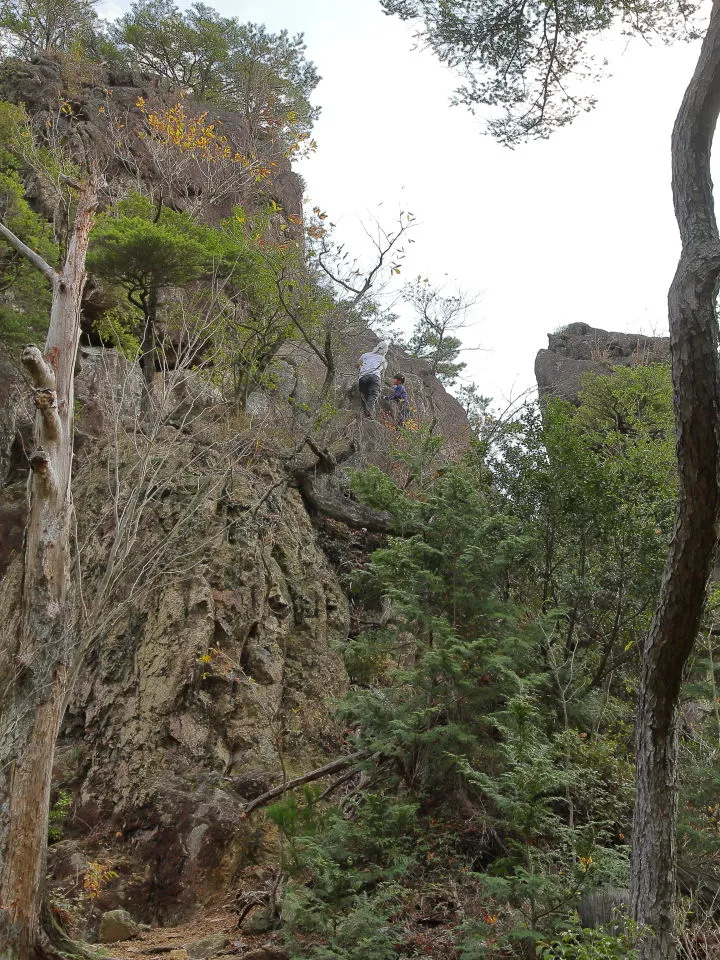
{"x":496,"y":693}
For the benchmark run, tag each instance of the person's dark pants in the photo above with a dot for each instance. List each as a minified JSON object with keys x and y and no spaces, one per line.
{"x":369,"y":392}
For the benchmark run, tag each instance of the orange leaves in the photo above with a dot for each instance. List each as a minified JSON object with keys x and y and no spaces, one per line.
{"x":97,"y":876}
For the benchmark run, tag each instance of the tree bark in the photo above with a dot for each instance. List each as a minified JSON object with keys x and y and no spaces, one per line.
{"x":696,"y":381}
{"x":331,"y":503}
{"x":37,"y":660}
{"x":149,"y":349}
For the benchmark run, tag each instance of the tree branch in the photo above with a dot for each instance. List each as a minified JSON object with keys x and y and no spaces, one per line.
{"x":34,"y":258}
{"x":41,"y":466}
{"x":41,"y":374}
{"x":316,"y":774}
{"x":349,"y":512}
{"x":331,"y":503}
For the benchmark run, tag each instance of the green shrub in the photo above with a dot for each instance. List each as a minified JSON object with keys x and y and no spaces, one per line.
{"x":58,"y":814}
{"x":592,"y":945}
{"x":344,"y":876}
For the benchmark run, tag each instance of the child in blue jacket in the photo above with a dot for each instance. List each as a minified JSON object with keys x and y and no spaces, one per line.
{"x":400,"y":397}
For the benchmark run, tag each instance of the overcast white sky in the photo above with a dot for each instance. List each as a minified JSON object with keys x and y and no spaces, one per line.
{"x":579,"y":227}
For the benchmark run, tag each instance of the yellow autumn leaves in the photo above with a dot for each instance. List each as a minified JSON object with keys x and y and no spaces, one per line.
{"x":191,"y":134}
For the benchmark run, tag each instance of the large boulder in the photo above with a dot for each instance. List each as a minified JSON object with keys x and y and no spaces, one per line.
{"x":117,"y":925}
{"x":207,"y":946}
{"x":268,"y":951}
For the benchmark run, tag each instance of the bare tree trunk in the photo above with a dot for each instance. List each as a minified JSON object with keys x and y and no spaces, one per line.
{"x":696,"y":380}
{"x":149,"y":350}
{"x":36,"y":662}
{"x":329,"y":380}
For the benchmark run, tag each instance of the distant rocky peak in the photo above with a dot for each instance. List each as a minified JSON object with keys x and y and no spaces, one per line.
{"x":579,"y":348}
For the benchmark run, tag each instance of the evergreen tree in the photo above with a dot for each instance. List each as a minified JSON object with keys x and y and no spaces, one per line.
{"x":438,"y":318}
{"x":502,"y":681}
{"x":28,"y":29}
{"x":145,"y":255}
{"x":521,"y":59}
{"x":239,"y":66}
{"x":26,"y":302}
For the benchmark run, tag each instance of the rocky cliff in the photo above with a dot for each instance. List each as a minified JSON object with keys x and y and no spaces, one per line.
{"x":211,"y":597}
{"x":579,"y":348}
{"x":98,"y":106}
{"x":211,"y":675}
{"x":214,"y":607}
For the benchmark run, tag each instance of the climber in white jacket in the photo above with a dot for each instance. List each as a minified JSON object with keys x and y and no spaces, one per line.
{"x":371,"y":367}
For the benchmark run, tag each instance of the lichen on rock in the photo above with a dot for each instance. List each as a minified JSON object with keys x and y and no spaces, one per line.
{"x":212,"y":671}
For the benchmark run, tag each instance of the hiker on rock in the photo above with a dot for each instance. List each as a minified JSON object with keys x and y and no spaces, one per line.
{"x":372,"y":367}
{"x":400,"y":398}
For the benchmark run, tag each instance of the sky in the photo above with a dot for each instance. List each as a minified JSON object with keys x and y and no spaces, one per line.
{"x":576,"y":228}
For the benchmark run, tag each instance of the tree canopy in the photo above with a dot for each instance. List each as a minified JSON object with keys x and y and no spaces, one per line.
{"x":143,"y":254}
{"x":438,"y":318}
{"x":222,"y":61}
{"x":533,"y":60}
{"x":31,"y":28}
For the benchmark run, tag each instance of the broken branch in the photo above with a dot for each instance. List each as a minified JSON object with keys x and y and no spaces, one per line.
{"x":46,"y":403}
{"x":42,"y":375}
{"x":35,"y":259}
{"x":316,"y":774}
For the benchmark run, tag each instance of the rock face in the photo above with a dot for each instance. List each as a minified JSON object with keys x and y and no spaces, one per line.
{"x":211,"y":616}
{"x":102,"y":100}
{"x":299,"y":376}
{"x":579,"y":348}
{"x":213,"y":668}
{"x":107,"y":386}
{"x":214,"y":621}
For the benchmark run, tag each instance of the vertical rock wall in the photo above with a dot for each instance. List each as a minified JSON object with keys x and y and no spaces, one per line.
{"x":216,"y":677}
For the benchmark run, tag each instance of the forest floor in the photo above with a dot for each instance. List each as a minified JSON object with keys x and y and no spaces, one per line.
{"x":172,"y":943}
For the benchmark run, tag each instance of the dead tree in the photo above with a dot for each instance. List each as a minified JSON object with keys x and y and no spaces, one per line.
{"x":36,"y":660}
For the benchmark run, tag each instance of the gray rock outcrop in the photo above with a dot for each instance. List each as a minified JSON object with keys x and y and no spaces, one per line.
{"x":207,"y":947}
{"x":579,"y":348}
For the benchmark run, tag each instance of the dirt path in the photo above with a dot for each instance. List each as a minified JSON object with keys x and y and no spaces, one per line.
{"x":172,"y":943}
